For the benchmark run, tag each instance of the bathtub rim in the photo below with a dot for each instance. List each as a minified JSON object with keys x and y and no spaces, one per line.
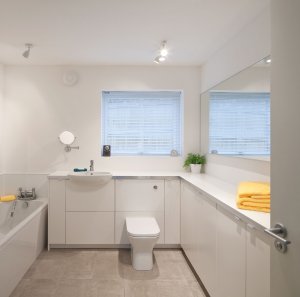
{"x":5,"y":238}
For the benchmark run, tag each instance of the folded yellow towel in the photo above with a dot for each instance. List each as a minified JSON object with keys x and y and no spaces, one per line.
{"x":7,"y":198}
{"x":247,"y":189}
{"x":254,"y":196}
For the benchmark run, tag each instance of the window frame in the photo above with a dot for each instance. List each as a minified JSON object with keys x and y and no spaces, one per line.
{"x":181,"y":124}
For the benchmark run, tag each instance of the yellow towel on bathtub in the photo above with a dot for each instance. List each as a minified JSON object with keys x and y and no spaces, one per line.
{"x":254,"y":196}
{"x":7,"y":198}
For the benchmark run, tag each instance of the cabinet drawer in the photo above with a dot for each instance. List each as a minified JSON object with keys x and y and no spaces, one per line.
{"x":89,"y":197}
{"x":90,"y":227}
{"x":139,"y":195}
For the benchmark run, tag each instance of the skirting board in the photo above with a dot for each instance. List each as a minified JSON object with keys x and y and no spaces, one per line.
{"x":107,"y":246}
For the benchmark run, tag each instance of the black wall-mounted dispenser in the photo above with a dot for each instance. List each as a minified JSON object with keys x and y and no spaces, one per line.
{"x":106,"y":150}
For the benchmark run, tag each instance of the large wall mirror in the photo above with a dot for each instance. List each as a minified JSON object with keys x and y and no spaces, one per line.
{"x":235,"y":115}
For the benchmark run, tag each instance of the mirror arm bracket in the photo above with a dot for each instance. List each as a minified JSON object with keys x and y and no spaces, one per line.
{"x":68,"y":148}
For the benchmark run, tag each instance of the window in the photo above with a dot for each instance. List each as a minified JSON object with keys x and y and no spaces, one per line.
{"x":239,"y":123}
{"x":142,"y":122}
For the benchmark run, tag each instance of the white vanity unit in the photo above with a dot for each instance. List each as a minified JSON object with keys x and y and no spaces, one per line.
{"x":93,"y":214}
{"x":226,"y":246}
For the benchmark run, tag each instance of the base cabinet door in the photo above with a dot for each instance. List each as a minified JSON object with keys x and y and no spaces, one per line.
{"x":206,"y":243}
{"x":189,"y":213}
{"x":57,"y":212}
{"x":231,"y":255}
{"x":258,"y":263}
{"x":140,"y":195}
{"x":89,"y":227}
{"x":198,"y":234}
{"x":172,"y":211}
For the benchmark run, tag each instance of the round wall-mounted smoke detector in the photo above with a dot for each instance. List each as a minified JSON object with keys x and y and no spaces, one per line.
{"x":70,"y":78}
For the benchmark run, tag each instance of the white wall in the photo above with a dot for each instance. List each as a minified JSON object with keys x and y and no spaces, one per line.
{"x":247,"y":48}
{"x":39,"y":107}
{"x":252,"y":79}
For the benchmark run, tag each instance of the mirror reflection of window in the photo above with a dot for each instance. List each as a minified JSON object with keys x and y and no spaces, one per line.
{"x":235,"y":114}
{"x":239,"y":123}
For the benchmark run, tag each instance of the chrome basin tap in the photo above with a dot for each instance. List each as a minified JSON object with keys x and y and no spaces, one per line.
{"x":92,"y":165}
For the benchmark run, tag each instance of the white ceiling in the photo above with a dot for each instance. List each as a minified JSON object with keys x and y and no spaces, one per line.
{"x":119,"y":32}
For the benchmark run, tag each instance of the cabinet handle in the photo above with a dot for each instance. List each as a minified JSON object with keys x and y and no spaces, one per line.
{"x":251,"y":227}
{"x":155,"y":187}
{"x":236,"y":218}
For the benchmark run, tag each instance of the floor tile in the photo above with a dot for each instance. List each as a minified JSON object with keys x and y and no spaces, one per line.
{"x":46,"y":269}
{"x":141,"y":289}
{"x":23,"y":284}
{"x":40,"y":288}
{"x":107,"y":273}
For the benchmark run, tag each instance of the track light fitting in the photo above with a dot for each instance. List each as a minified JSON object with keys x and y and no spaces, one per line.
{"x":163,"y":52}
{"x":27,"y":51}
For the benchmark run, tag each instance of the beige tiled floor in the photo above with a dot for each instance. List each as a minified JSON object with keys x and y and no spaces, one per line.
{"x":107,"y":273}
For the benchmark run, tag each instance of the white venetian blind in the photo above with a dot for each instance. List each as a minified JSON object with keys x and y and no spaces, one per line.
{"x":239,"y":123}
{"x":141,"y":122}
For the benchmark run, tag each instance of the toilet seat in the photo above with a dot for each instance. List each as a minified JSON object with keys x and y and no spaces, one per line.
{"x":142,"y":227}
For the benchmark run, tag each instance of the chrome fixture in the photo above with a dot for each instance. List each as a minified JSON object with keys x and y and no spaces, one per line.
{"x":68,"y":148}
{"x":27,"y":51}
{"x":267,"y":60}
{"x":279,"y":232}
{"x":26,"y":195}
{"x":67,"y":138}
{"x":13,"y":208}
{"x":163,"y":52}
{"x":92,"y":165}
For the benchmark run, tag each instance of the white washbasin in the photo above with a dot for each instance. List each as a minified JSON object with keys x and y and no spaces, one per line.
{"x":98,"y":177}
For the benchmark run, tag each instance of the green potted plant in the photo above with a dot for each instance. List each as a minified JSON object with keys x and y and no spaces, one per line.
{"x":194,"y":161}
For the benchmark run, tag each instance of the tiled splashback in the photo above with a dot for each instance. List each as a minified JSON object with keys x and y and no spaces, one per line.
{"x":11,"y":183}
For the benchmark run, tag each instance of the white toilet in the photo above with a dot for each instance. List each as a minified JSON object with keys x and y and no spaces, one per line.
{"x":143,"y":233}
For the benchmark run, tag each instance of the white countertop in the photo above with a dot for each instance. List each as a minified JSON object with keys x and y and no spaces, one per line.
{"x":222,"y":193}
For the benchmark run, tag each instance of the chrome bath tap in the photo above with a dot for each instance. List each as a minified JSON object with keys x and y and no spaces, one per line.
{"x":26,"y":195}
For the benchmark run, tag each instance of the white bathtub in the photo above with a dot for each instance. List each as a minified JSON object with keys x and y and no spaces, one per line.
{"x":22,"y":238}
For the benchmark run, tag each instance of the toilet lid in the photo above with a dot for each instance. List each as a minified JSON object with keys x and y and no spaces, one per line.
{"x":142,"y":226}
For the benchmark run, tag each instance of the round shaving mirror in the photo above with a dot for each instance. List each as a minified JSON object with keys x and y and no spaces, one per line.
{"x":66,"y":137}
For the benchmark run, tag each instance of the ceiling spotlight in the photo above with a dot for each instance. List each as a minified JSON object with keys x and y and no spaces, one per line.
{"x":159,"y":59}
{"x":163,"y":52}
{"x":163,"y":49}
{"x":268,"y":60}
{"x":156,"y":60}
{"x":27,"y":51}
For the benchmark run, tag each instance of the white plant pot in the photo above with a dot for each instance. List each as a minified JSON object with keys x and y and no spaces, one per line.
{"x":196,"y":168}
